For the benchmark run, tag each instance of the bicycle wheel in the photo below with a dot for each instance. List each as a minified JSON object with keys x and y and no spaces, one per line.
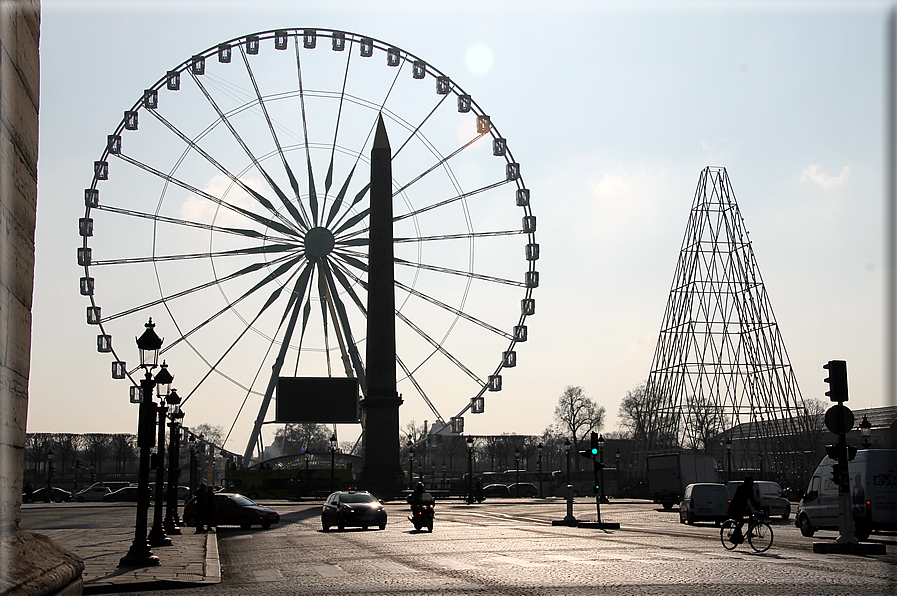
{"x":726,"y":532}
{"x":760,"y":537}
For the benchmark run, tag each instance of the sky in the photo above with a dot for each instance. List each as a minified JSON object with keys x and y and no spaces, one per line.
{"x":611,"y":109}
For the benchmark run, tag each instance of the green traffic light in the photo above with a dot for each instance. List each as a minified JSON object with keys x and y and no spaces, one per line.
{"x":594,"y":451}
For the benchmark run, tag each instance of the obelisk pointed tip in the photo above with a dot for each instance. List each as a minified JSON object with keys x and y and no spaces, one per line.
{"x":381,"y":140}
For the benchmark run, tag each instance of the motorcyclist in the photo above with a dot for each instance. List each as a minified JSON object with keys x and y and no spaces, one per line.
{"x":417,"y":497}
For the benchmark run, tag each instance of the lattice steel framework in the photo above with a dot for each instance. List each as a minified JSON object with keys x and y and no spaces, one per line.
{"x":720,"y":369}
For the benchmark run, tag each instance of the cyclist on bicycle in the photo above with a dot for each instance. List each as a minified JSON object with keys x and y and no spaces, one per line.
{"x":743,"y":501}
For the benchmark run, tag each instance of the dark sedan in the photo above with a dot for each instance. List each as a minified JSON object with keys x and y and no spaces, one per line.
{"x":57,"y":495}
{"x":357,"y":509}
{"x":232,"y":509}
{"x":527,"y":489}
{"x":496,"y":490}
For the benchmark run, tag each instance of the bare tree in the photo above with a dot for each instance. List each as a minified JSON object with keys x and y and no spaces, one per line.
{"x":311,"y":436}
{"x":578,"y":415}
{"x":124,"y":449}
{"x":96,"y":446}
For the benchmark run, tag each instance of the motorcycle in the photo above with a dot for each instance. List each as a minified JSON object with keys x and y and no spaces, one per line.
{"x":422,"y":513}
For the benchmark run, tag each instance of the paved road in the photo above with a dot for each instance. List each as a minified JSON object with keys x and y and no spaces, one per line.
{"x":511,"y":548}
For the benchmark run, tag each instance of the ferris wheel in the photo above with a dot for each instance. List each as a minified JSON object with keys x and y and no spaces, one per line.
{"x":230,"y":204}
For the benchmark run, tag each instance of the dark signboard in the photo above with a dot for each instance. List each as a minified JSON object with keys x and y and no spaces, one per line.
{"x":317,"y":399}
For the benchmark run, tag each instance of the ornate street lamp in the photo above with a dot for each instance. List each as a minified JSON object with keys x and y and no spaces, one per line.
{"x":157,"y":536}
{"x":567,"y":453}
{"x":866,"y":431}
{"x":619,"y":483}
{"x":192,"y":448}
{"x":410,"y":464}
{"x":49,"y":475}
{"x":470,"y":498}
{"x":539,"y":447}
{"x":728,"y":459}
{"x":332,"y":461}
{"x":443,"y":474}
{"x":148,"y":345}
{"x":517,"y":467}
{"x":172,"y":520}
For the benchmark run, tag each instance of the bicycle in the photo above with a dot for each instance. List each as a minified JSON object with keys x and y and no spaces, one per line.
{"x":759,"y":534}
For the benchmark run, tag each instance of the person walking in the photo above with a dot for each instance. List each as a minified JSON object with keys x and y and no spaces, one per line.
{"x":210,"y":508}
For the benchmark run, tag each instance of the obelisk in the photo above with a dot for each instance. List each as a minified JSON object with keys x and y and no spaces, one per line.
{"x":381,"y":472}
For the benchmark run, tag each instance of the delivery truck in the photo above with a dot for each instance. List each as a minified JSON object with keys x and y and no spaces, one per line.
{"x":669,"y":474}
{"x":873,"y":495}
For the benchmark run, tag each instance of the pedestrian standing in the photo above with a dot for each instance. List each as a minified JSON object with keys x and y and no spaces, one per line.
{"x":201,"y":508}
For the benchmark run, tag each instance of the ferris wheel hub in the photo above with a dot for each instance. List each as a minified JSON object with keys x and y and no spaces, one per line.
{"x":319,"y":242}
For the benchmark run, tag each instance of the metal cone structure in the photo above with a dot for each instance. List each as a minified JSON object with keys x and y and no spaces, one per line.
{"x":720,"y":370}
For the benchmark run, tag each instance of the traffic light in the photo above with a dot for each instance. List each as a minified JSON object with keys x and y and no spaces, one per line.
{"x":836,"y":473}
{"x":596,"y":486}
{"x":585,"y":453}
{"x":837,"y":380}
{"x":595,"y":445}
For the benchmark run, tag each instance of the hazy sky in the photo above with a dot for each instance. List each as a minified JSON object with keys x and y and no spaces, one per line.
{"x":611,"y":109}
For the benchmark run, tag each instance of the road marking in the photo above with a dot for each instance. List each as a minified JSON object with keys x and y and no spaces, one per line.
{"x":328,"y":571}
{"x":392,"y":567}
{"x":515,"y":561}
{"x":452,"y":564}
{"x":267,"y":575}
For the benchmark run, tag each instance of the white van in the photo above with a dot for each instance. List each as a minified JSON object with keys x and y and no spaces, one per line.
{"x":769,"y":494}
{"x":873,"y":489}
{"x":704,"y":501}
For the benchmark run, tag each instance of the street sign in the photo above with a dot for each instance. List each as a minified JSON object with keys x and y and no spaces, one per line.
{"x":839,"y":419}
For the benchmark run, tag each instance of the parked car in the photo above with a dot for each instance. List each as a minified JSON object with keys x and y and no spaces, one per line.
{"x":232,"y":509}
{"x":127,"y":494}
{"x":352,"y":509}
{"x":704,"y":501}
{"x":112,"y":485}
{"x":527,"y":489}
{"x":92,"y":493}
{"x":57,"y":495}
{"x":496,"y":490}
{"x":770,"y":494}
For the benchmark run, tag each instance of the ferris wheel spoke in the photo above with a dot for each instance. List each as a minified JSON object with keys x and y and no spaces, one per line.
{"x":439,"y":163}
{"x":246,"y":328}
{"x":343,"y":318}
{"x":257,"y":196}
{"x":438,"y":347}
{"x":186,"y":223}
{"x":340,"y":197}
{"x":451,"y":200}
{"x":255,"y":161}
{"x":312,"y":195}
{"x":344,"y":282}
{"x":469,"y":274}
{"x":254,"y":250}
{"x":291,"y":207}
{"x":453,"y":236}
{"x":306,"y":314}
{"x":272,"y":276}
{"x":418,"y":127}
{"x":328,"y":180}
{"x":358,"y":197}
{"x":454,"y":311}
{"x":420,"y":390}
{"x":352,"y":260}
{"x":352,"y":221}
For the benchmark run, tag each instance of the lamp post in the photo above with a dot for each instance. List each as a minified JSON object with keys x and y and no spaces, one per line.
{"x":307,"y":484}
{"x":619,"y":484}
{"x":517,"y":468}
{"x":432,"y":473}
{"x":866,"y":431}
{"x":539,"y":447}
{"x":49,"y":475}
{"x":760,"y":465}
{"x":443,"y":474}
{"x":172,"y":520}
{"x":148,"y":345}
{"x":410,"y":464}
{"x":470,"y":470}
{"x":332,"y":461}
{"x":728,"y":459}
{"x":192,"y":448}
{"x":157,"y":536}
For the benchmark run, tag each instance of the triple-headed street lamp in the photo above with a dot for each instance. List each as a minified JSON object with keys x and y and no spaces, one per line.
{"x":470,"y":497}
{"x":410,"y":464}
{"x":157,"y":536}
{"x":539,"y":447}
{"x":172,"y":521}
{"x":149,"y":344}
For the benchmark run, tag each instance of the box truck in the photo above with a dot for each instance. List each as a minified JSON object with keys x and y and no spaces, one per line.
{"x":669,"y":474}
